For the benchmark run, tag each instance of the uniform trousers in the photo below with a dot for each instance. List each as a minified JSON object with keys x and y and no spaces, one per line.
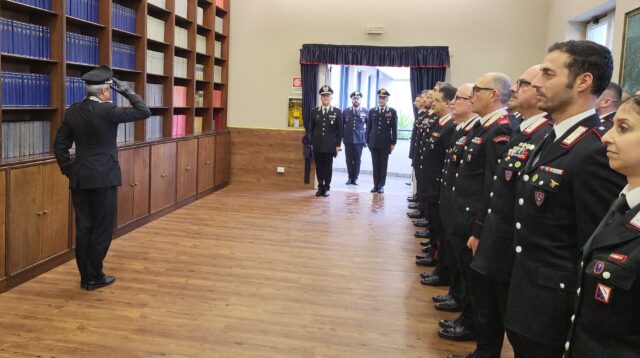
{"x":324,"y":169}
{"x":353,"y":154}
{"x":467,"y":274}
{"x":379,"y":160}
{"x":491,"y":303}
{"x":95,"y":211}
{"x":524,"y":347}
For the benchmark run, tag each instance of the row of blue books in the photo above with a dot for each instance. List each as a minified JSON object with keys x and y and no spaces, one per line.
{"x":82,"y":48}
{"x":124,"y":56}
{"x":43,"y":4}
{"x":20,"y":38}
{"x":21,"y":89}
{"x":123,"y":18}
{"x":83,"y":9}
{"x":75,"y":90}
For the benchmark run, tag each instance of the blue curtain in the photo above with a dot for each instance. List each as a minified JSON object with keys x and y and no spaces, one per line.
{"x":409,"y":56}
{"x":309,"y":75}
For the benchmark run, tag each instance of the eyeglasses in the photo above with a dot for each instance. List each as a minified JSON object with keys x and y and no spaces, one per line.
{"x":457,"y":98}
{"x":476,"y":89}
{"x":522,"y":84}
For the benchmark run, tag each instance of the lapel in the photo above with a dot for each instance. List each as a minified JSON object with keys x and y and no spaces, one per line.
{"x":624,"y":232}
{"x":559,"y":148}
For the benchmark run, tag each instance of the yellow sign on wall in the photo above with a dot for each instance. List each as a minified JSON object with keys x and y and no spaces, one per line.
{"x":295,"y":113}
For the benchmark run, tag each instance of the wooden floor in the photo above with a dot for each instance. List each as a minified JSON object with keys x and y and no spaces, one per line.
{"x":243,"y":273}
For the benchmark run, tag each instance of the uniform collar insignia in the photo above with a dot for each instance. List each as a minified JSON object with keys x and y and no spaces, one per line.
{"x":573,"y":138}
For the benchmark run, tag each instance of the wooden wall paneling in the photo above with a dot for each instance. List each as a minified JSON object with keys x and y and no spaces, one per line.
{"x":255,"y":154}
{"x":54,"y":221}
{"x":222,"y":161}
{"x":206,"y":155}
{"x":186,"y":174}
{"x":163,"y":176}
{"x":141,"y":182}
{"x":23,"y":241}
{"x":125,"y":191}
{"x":3,"y":200}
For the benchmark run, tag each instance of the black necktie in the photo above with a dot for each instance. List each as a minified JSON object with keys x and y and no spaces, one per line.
{"x":324,"y":111}
{"x":618,"y":208}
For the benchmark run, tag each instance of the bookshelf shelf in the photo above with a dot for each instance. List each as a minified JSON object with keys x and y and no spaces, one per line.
{"x":158,"y":12}
{"x":80,"y":22}
{"x":26,"y":9}
{"x":86,"y":66}
{"x":152,"y":42}
{"x":125,"y":34}
{"x":19,"y":109}
{"x":220,"y":11}
{"x":204,"y":30}
{"x":28,"y":59}
{"x":126,"y":70}
{"x":156,"y":75}
{"x":183,"y":21}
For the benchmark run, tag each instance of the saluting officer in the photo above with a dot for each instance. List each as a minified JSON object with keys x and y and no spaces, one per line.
{"x":325,"y":130}
{"x":94,"y":172}
{"x":605,"y":321}
{"x":478,"y":164}
{"x":382,"y":128}
{"x":494,"y":255}
{"x":562,"y":194}
{"x":355,"y":121}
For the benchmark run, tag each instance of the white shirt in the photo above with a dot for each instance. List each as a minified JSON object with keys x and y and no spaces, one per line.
{"x":564,"y":126}
{"x":633,"y":196}
{"x":528,"y":122}
{"x":497,"y":112}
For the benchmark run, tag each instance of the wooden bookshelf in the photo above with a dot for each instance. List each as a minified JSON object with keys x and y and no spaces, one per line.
{"x":159,"y":175}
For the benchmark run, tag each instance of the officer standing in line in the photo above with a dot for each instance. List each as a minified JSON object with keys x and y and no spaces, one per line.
{"x":564,"y":191}
{"x":608,"y":103}
{"x":355,"y":120}
{"x":478,"y":164}
{"x":94,"y":172}
{"x":325,"y":130}
{"x":493,"y":256}
{"x":415,"y":139}
{"x":466,"y":119}
{"x":382,"y":128}
{"x":605,"y":321}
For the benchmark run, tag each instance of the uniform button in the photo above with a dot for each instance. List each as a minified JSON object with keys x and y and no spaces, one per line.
{"x":495,"y":177}
{"x":578,"y":291}
{"x":453,"y":189}
{"x":489,"y":211}
{"x":467,"y":209}
{"x":491,"y":195}
{"x":581,"y":264}
{"x":525,"y":178}
{"x":521,"y":201}
{"x":606,"y":275}
{"x":518,"y":226}
{"x":541,"y":182}
{"x":443,"y":170}
{"x":573,"y":318}
{"x":518,"y":249}
{"x":567,"y":345}
{"x":461,"y":161}
{"x":499,"y":160}
{"x":562,"y":285}
{"x":456,"y":175}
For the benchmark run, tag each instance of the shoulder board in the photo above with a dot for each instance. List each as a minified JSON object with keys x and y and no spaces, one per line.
{"x":504,"y":120}
{"x":535,"y":126}
{"x":442,"y":124}
{"x":490,"y":122}
{"x":634,"y":224}
{"x":575,"y":136}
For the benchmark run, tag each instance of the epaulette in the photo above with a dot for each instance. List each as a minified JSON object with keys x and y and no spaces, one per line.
{"x":575,"y":136}
{"x":535,"y":126}
{"x":442,"y":124}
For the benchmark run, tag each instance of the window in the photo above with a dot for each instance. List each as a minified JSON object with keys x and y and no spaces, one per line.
{"x":600,"y":30}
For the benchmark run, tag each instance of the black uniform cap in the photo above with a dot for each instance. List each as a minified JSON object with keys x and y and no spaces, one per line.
{"x":98,"y":76}
{"x":383,"y":93}
{"x":356,"y":94}
{"x":326,"y":89}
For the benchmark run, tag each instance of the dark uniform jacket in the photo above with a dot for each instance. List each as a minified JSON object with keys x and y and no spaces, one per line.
{"x":432,"y":158}
{"x":607,"y":315}
{"x":415,"y":132}
{"x":564,"y":196}
{"x":355,"y":120}
{"x":494,"y":255}
{"x":606,"y":121}
{"x":93,"y":126}
{"x":326,"y":130}
{"x":382,"y":127}
{"x":455,"y":148}
{"x":477,"y":168}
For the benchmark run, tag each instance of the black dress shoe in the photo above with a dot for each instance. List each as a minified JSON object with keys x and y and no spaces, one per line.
{"x":456,"y":333}
{"x":353,"y":182}
{"x":426,"y":244}
{"x":348,"y":182}
{"x":426,"y":261}
{"x":381,"y":190}
{"x":450,"y":305}
{"x":412,"y":199}
{"x":325,"y":193}
{"x":415,"y":214}
{"x":470,"y":355}
{"x":440,"y":298}
{"x":421,"y":223}
{"x":435,"y":280}
{"x":447,"y":323}
{"x":374,"y":189}
{"x":92,"y":285}
{"x":427,"y":249}
{"x":319,"y":192}
{"x":413,"y":206}
{"x":425,"y":256}
{"x":422,"y":234}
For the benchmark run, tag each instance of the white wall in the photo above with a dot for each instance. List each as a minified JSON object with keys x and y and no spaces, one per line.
{"x":483,"y":36}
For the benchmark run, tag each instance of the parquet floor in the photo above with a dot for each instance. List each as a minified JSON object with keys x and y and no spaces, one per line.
{"x":243,"y":273}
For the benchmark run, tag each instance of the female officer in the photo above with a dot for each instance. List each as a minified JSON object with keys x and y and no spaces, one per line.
{"x":606,"y":321}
